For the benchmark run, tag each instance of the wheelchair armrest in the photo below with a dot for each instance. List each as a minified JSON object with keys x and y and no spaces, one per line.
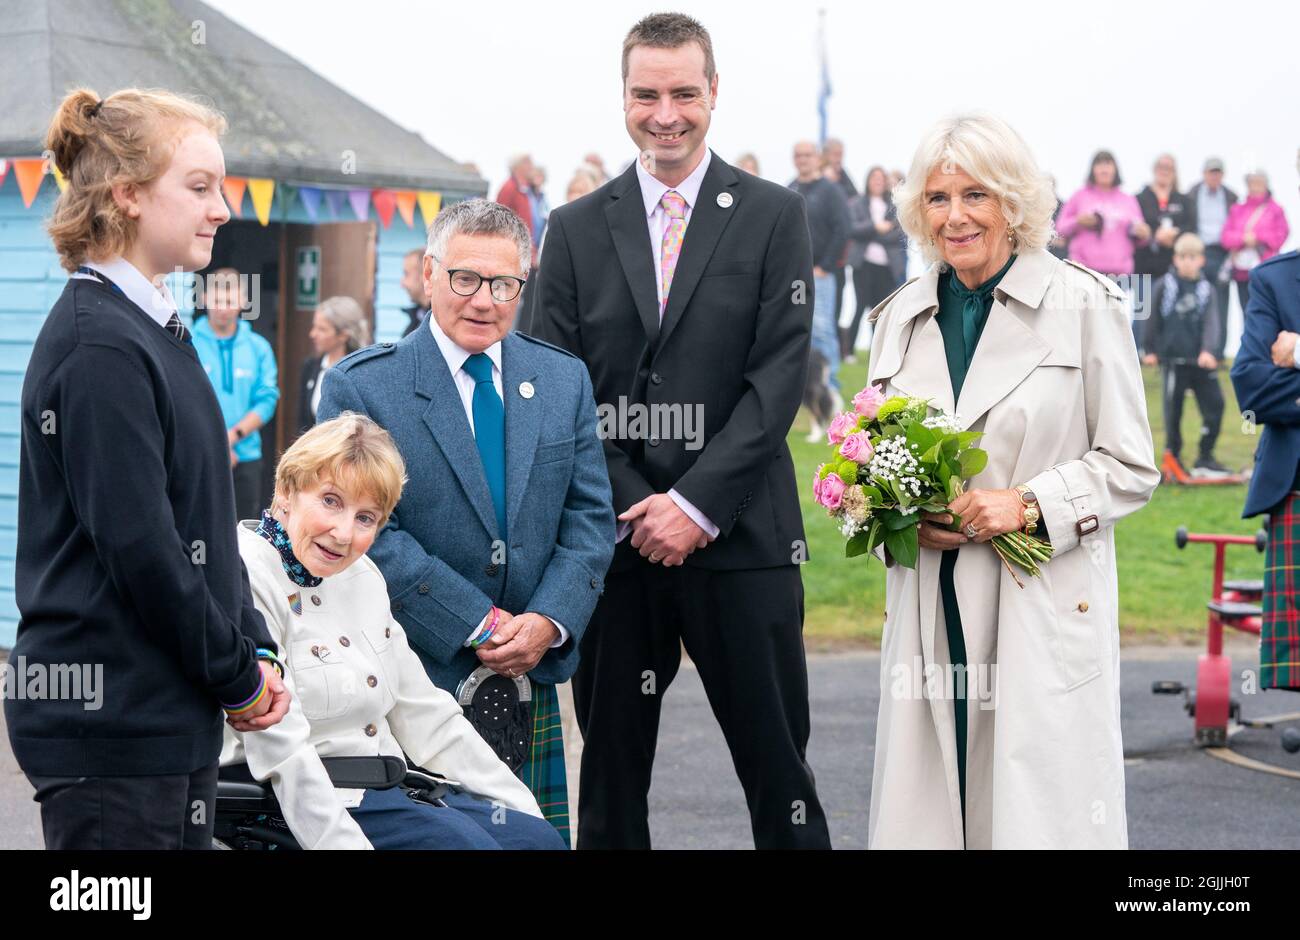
{"x":380,"y":772}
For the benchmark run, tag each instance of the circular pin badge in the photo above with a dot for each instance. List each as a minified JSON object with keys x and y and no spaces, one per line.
{"x":724,"y":200}
{"x":526,"y":389}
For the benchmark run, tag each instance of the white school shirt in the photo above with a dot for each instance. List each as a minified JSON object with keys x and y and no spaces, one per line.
{"x":652,"y":192}
{"x":157,"y":302}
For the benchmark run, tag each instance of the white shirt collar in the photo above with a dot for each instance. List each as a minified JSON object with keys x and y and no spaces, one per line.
{"x":454,"y":353}
{"x":157,"y":302}
{"x":689,"y":189}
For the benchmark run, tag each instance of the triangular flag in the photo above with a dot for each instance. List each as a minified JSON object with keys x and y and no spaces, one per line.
{"x":234,"y":187}
{"x":310,"y":197}
{"x":406,"y":206}
{"x":336,"y":199}
{"x":29,"y":174}
{"x":430,"y":203}
{"x":385,"y":202}
{"x":360,"y":199}
{"x":263,"y":192}
{"x":59,"y":179}
{"x":287,"y":194}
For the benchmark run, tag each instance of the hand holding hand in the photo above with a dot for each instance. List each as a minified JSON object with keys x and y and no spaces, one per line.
{"x":664,"y":533}
{"x":271,"y":709}
{"x":518,"y":645}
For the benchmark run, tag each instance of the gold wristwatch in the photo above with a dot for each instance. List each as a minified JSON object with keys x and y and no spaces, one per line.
{"x":1030,"y":502}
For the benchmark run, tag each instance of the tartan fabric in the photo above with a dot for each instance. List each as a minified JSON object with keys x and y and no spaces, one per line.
{"x":1279,"y":639}
{"x":543,"y":771}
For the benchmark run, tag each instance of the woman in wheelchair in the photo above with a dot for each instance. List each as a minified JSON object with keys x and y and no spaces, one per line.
{"x":360,"y":690}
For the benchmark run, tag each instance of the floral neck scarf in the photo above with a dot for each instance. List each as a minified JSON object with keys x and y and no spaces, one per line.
{"x":271,"y":530}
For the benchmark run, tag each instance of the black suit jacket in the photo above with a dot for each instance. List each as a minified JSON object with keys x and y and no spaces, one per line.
{"x":310,"y":376}
{"x":732,"y":348}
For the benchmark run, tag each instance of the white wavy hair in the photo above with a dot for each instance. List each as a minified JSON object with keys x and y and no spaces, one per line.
{"x":990,"y":151}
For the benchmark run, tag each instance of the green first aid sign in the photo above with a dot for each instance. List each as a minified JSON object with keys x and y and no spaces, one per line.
{"x":308,"y":277}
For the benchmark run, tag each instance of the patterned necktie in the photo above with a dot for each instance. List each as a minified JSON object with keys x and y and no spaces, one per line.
{"x":489,"y":432}
{"x":674,"y":233}
{"x":176,"y":328}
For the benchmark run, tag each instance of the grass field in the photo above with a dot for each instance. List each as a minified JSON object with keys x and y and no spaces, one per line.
{"x":1162,"y":590}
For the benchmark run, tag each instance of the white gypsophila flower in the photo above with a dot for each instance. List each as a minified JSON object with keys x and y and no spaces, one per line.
{"x":949,"y":424}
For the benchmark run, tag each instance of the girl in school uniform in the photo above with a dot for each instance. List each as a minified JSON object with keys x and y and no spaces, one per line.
{"x":128,"y":568}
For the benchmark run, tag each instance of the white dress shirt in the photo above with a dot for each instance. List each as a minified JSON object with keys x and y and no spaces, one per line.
{"x":455,"y":355}
{"x":155,"y":301}
{"x":358,"y":690}
{"x":652,"y":192}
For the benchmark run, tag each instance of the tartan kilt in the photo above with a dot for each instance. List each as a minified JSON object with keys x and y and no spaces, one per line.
{"x":543,"y":771}
{"x":1279,"y":638}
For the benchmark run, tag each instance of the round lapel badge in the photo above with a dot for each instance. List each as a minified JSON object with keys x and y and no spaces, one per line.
{"x":526,"y":389}
{"x":724,"y":200}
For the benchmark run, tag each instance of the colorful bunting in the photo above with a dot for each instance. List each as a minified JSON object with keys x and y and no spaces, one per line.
{"x":310,"y":197}
{"x":360,"y":199}
{"x":29,"y":174}
{"x":263,"y":193}
{"x":406,"y":206}
{"x":336,"y":198}
{"x":430,"y":203}
{"x":234,"y":187}
{"x":385,"y":201}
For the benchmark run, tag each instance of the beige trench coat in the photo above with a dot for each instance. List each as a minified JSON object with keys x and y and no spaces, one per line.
{"x":1056,"y":389}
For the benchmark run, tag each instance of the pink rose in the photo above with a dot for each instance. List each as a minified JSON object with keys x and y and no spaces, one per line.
{"x":868,"y":401}
{"x":832,"y":491}
{"x":817,"y":485}
{"x":841,"y":427}
{"x":857,"y":447}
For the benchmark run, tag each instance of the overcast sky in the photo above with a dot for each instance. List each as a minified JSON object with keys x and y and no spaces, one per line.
{"x":486,"y":79}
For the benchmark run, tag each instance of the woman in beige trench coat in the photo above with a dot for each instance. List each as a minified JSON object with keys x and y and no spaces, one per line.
{"x":1054,"y":386}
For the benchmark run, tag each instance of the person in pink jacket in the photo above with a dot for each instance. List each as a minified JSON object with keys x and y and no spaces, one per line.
{"x":1103,"y":224}
{"x":1255,"y":231}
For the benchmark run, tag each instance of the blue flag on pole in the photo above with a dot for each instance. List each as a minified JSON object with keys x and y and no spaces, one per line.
{"x":824,"y":94}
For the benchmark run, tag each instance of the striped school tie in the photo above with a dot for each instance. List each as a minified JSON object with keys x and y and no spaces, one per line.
{"x":176,"y":328}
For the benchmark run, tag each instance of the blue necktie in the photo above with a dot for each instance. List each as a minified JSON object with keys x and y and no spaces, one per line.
{"x":489,"y":432}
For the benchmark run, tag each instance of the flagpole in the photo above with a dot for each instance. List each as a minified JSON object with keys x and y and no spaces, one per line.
{"x":824,"y":93}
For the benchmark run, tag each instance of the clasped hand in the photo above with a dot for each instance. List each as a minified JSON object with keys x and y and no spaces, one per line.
{"x":518,"y":643}
{"x":661,"y":532}
{"x":991,"y":512}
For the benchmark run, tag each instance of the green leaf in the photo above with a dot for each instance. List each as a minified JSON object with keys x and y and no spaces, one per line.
{"x":903,"y":546}
{"x":860,"y":544}
{"x":973,"y":461}
{"x":893,"y":520}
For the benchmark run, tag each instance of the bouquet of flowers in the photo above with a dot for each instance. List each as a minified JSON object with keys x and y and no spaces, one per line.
{"x":891,"y":460}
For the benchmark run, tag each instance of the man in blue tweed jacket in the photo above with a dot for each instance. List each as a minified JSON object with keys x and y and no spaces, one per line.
{"x":497,"y":551}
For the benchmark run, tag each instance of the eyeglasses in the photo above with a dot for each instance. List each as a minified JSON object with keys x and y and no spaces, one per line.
{"x":466,"y":283}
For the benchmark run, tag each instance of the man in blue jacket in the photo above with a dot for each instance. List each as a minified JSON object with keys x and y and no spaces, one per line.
{"x":1266,"y":376}
{"x":497,"y":551}
{"x":241,"y":367}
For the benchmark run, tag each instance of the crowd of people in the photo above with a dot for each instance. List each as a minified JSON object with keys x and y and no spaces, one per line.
{"x":455,"y":532}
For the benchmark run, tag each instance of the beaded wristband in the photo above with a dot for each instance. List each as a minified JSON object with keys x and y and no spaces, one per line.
{"x":273,"y":659}
{"x":487,"y":631}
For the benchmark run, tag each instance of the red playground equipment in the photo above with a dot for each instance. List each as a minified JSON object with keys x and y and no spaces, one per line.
{"x":1232,"y":604}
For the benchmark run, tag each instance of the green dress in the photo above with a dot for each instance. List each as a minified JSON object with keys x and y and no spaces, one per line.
{"x":961,"y":317}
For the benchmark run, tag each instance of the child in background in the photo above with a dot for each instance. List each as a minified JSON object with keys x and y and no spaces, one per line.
{"x":1180,"y":335}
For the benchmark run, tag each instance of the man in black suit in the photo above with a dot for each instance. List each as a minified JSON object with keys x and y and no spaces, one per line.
{"x":685,"y":286}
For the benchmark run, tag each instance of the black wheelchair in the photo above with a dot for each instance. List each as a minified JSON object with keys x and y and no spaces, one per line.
{"x":248,"y":816}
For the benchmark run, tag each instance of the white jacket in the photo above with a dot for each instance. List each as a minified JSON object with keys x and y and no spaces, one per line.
{"x":358,"y":690}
